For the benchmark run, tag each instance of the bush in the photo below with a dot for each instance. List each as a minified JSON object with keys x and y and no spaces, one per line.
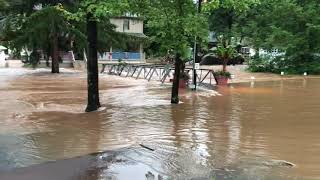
{"x":262,"y":64}
{"x":222,"y":73}
{"x":295,"y":64}
{"x":185,"y":76}
{"x":302,"y":62}
{"x":239,"y":59}
{"x":211,"y":59}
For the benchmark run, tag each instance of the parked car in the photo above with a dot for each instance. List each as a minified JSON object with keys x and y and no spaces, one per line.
{"x":212,"y":59}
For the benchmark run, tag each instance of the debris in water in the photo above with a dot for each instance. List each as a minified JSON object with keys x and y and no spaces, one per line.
{"x":102,"y":109}
{"x":150,"y":176}
{"x":160,"y":177}
{"x":146,"y":147}
{"x":279,"y":163}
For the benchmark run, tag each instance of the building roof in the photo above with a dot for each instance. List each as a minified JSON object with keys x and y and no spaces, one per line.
{"x":138,"y":35}
{"x":128,"y":17}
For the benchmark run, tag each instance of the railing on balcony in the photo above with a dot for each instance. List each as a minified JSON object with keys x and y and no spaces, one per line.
{"x":115,"y":56}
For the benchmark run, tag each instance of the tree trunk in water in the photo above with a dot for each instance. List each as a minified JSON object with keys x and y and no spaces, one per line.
{"x":55,"y":55}
{"x":176,"y":79}
{"x":92,"y":66}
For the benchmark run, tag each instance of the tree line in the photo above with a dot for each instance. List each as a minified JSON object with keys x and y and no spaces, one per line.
{"x":292,"y":27}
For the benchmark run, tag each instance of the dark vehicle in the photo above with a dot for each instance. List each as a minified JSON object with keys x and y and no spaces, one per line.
{"x":212,"y":59}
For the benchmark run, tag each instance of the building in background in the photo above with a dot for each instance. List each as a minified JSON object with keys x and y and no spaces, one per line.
{"x":134,"y":51}
{"x":3,"y":56}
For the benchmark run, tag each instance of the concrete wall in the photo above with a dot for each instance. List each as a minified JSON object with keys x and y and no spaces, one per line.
{"x":135,"y":25}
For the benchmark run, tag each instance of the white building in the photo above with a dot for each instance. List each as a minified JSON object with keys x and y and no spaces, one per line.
{"x":3,"y":56}
{"x":132,"y":26}
{"x":262,"y":52}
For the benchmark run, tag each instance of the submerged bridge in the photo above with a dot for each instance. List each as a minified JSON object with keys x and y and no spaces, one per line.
{"x":157,"y":72}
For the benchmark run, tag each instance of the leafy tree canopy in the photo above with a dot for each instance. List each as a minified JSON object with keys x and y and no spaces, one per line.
{"x":3,"y":4}
{"x":101,"y":9}
{"x":238,"y":6}
{"x":292,"y":26}
{"x":174,"y":24}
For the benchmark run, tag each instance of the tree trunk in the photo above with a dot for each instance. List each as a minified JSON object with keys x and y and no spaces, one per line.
{"x":230,"y":24}
{"x":225,"y":63}
{"x":55,"y":55}
{"x":92,"y":66}
{"x":47,"y":60}
{"x":176,"y":79}
{"x":48,"y":53}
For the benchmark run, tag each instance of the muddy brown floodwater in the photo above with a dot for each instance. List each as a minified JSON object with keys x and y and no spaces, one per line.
{"x":262,"y":130}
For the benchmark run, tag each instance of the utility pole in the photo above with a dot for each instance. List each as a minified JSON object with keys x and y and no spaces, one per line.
{"x":195,"y":51}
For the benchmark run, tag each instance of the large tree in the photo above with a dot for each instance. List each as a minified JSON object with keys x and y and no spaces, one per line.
{"x":173,"y":25}
{"x":292,"y":26}
{"x":225,"y":15}
{"x":53,"y":26}
{"x":96,"y":11}
{"x":3,"y":4}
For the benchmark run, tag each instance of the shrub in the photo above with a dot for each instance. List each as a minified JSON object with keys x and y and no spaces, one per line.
{"x":222,"y":73}
{"x":294,"y":64}
{"x":265,"y":64}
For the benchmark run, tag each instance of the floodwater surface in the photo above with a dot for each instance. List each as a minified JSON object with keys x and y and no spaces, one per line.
{"x":257,"y":130}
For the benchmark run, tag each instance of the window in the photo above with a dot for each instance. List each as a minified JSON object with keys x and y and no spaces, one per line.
{"x":126,"y":24}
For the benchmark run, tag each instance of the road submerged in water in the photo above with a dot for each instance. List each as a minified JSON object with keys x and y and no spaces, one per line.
{"x":262,"y":130}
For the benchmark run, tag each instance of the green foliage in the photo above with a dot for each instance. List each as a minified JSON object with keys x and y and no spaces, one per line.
{"x":67,"y":20}
{"x":225,"y":51}
{"x":298,"y":64}
{"x":236,"y":5}
{"x":52,"y":20}
{"x":185,"y":76}
{"x":26,"y":27}
{"x":224,"y":15}
{"x":289,"y":25}
{"x":302,"y":62}
{"x":172,"y":25}
{"x":264,"y":64}
{"x":3,"y":4}
{"x":101,"y":9}
{"x":101,"y":12}
{"x":34,"y":59}
{"x":222,"y":74}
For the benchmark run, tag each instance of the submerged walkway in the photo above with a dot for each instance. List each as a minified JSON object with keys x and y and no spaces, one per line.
{"x":162,"y":73}
{"x":245,"y":132}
